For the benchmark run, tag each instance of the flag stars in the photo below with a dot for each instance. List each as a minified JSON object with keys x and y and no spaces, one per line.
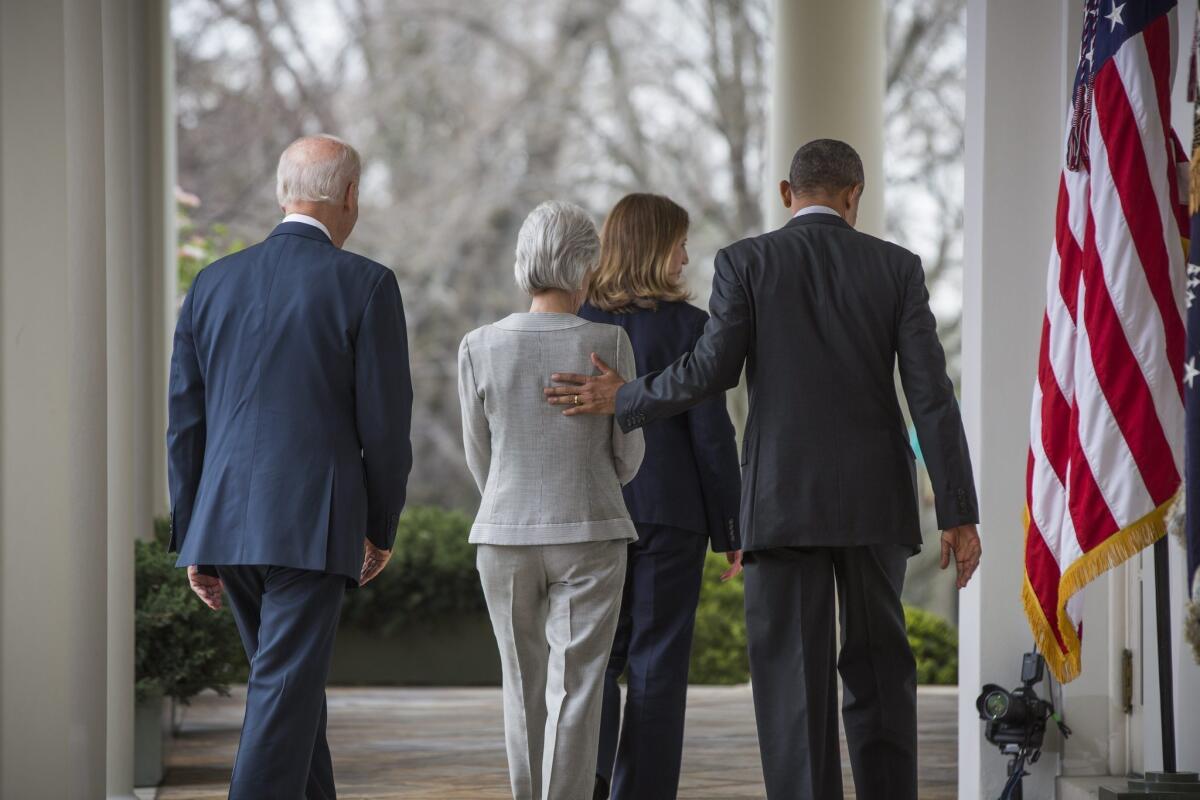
{"x":1114,"y":16}
{"x":1190,"y":371}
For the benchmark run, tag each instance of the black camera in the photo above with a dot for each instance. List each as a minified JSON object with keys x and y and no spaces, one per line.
{"x":1016,"y":720}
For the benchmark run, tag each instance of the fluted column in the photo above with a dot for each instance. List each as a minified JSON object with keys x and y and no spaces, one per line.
{"x":53,"y":555}
{"x":123,"y":207}
{"x":827,"y":83}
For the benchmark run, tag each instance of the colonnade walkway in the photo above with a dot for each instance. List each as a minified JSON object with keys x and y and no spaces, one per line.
{"x":447,"y":744}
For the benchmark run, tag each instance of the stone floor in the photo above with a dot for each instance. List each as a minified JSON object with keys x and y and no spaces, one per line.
{"x":443,"y":744}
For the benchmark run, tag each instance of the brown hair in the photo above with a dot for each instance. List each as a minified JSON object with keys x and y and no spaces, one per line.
{"x":639,"y":237}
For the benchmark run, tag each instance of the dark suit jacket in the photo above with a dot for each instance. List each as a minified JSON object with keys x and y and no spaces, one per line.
{"x":290,"y":402}
{"x":820,"y":314}
{"x":690,"y":477}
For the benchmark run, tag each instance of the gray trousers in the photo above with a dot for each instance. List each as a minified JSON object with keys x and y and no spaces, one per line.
{"x":794,"y":665}
{"x":554,"y":611}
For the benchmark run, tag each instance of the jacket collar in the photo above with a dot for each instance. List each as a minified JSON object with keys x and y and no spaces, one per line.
{"x":818,"y":219}
{"x":540,"y":321}
{"x":300,"y":229}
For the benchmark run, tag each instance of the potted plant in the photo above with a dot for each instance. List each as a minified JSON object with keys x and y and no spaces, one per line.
{"x":182,"y":648}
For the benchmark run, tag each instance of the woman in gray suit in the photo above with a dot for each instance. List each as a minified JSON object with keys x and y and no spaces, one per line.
{"x":552,"y":527}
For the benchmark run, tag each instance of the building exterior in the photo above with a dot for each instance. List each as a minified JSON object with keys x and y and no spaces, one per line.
{"x":86,"y":305}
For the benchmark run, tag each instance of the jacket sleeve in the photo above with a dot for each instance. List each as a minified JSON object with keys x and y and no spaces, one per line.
{"x":628,"y":447}
{"x":477,"y":435}
{"x":186,"y":425}
{"x":383,"y":408}
{"x":715,"y":446}
{"x":934,"y":407}
{"x":713,"y":366}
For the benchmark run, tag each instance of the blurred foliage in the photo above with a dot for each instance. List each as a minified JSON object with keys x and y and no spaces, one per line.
{"x":719,"y":646}
{"x":431,"y":575}
{"x":934,"y":642}
{"x":719,"y":653}
{"x":182,"y":646}
{"x":199,"y":246}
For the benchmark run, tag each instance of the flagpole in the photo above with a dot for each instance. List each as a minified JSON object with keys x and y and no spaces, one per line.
{"x":1166,"y":684}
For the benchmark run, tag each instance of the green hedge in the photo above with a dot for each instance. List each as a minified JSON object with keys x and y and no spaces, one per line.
{"x":935,"y":644}
{"x":719,"y":645}
{"x":719,"y":652}
{"x":182,"y":646}
{"x":431,"y":575}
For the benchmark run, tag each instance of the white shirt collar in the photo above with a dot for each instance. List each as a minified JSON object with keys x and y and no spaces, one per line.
{"x":307,"y":220}
{"x":815,"y":210}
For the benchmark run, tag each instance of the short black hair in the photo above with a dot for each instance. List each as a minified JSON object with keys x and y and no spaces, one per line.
{"x":825,"y":165}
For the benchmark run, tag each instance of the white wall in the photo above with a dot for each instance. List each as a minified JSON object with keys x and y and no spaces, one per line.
{"x":1021,"y":59}
{"x":1015,"y":110}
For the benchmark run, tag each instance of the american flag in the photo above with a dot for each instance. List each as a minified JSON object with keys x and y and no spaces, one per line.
{"x":1191,"y":368}
{"x":1106,"y":429}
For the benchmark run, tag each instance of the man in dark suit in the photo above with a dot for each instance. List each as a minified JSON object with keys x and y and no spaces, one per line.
{"x":289,"y":453}
{"x":821,"y":314}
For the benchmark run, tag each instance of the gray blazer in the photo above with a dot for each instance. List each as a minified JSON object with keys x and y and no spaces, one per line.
{"x":545,"y":478}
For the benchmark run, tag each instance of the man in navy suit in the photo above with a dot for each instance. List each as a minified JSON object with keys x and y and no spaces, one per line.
{"x":289,"y":453}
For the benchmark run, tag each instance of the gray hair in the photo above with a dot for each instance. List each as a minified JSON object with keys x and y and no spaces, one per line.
{"x":825,"y":165}
{"x":316,"y":169}
{"x":556,"y":247}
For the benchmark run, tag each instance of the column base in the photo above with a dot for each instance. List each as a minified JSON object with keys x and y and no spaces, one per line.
{"x":1156,"y":785}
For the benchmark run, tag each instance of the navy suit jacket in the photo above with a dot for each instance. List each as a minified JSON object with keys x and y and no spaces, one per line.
{"x":821,"y":315}
{"x":690,"y":476}
{"x":290,"y":402}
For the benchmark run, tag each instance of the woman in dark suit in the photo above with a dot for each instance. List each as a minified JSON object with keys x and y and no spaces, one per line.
{"x":685,"y":496}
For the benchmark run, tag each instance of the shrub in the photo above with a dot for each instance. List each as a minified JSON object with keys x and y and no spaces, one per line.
{"x":432,"y":574}
{"x":719,"y":647}
{"x":719,"y":650}
{"x":934,"y":642}
{"x":182,"y":646}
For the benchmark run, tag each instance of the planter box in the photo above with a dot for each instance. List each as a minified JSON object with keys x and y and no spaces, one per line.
{"x":453,"y":651}
{"x":148,"y":734}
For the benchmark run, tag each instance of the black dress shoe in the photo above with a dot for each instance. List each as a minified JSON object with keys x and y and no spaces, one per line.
{"x":601,"y":792}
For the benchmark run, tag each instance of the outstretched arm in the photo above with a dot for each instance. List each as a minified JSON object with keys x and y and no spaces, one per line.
{"x":713,"y":366}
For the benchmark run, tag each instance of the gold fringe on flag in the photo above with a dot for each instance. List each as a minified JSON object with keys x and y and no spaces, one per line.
{"x":1194,"y":183}
{"x":1191,"y":618}
{"x":1116,"y":549}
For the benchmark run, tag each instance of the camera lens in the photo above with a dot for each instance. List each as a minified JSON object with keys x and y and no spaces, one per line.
{"x":1003,"y":706}
{"x":996,"y":704}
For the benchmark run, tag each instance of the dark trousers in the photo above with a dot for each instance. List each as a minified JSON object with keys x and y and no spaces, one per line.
{"x":287,"y":619}
{"x":653,"y":645}
{"x":790,"y":631}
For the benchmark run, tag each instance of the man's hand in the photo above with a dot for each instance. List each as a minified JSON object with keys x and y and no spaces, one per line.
{"x":963,"y":542}
{"x":735,"y":565}
{"x":374,"y":560}
{"x":206,"y":587}
{"x":586,"y":394}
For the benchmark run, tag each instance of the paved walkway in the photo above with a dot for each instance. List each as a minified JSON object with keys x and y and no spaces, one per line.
{"x":447,"y":744}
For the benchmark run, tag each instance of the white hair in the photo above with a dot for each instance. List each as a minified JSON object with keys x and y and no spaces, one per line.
{"x":316,"y":169}
{"x":556,"y":247}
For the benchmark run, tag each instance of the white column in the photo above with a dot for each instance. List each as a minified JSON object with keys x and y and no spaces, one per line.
{"x":52,"y":402}
{"x":159,"y":279}
{"x":827,"y":83}
{"x":1016,"y":90}
{"x":122,"y":57}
